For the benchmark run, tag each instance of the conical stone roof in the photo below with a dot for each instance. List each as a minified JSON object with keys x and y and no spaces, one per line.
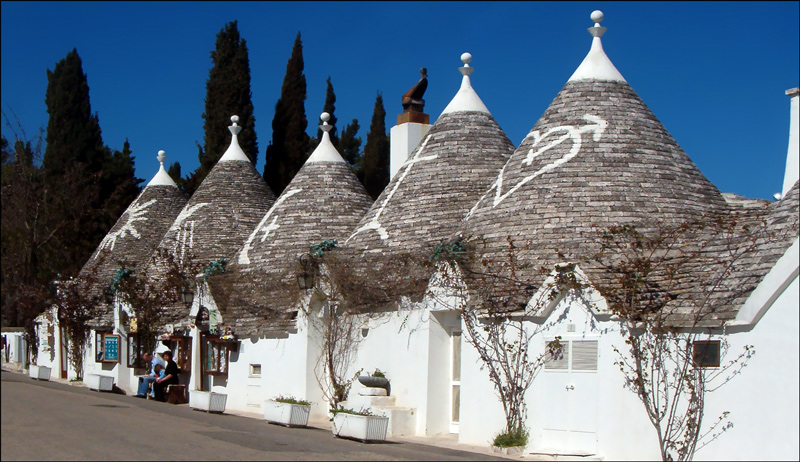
{"x":324,"y":201}
{"x":136,"y":234}
{"x":442,"y":178}
{"x":596,"y":157}
{"x":220,"y":215}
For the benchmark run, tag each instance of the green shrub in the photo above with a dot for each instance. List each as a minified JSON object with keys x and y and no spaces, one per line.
{"x":344,"y":410}
{"x":291,"y":400}
{"x":511,"y":439}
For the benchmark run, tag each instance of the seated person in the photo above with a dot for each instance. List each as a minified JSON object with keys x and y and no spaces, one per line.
{"x":144,"y":382}
{"x":171,"y":377}
{"x":160,"y":373}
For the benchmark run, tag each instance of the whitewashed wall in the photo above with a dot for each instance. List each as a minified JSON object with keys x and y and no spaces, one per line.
{"x":763,"y":400}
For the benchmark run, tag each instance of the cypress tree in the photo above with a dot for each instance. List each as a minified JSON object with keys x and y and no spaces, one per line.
{"x":174,"y":171}
{"x":330,"y":107}
{"x":350,"y":147}
{"x":89,"y":186}
{"x":376,"y":152}
{"x":289,"y":148}
{"x":227,"y":93}
{"x":73,"y":132}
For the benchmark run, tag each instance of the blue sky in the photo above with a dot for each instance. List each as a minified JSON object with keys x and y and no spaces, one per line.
{"x":714,"y":73}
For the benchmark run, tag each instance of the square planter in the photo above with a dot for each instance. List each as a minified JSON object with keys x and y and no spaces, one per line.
{"x":207,"y":401}
{"x":39,"y":372}
{"x":360,"y":427}
{"x":291,"y":415}
{"x":99,"y":382}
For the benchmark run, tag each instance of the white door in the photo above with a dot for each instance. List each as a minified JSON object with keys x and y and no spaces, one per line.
{"x":570,"y":407}
{"x":455,"y":379}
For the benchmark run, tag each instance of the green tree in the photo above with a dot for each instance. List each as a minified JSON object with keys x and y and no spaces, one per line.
{"x":174,"y":171}
{"x":91,"y":184}
{"x":227,"y":93}
{"x":376,"y":152}
{"x":350,"y":148}
{"x":289,"y":148}
{"x":330,"y":107}
{"x":73,"y":132}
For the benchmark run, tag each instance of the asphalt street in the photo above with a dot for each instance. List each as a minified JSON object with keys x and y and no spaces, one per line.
{"x":43,"y":420}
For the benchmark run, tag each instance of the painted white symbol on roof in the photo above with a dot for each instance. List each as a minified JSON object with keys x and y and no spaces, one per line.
{"x":375,"y":223}
{"x":596,"y":126}
{"x":244,"y":258}
{"x":134,"y":213}
{"x":185,"y":229}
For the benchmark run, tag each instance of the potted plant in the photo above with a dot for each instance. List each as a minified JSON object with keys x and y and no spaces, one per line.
{"x":359,"y":425}
{"x":207,"y":401}
{"x":99,"y":382}
{"x":375,"y":380}
{"x":511,"y":442}
{"x":287,"y":411}
{"x":39,"y":372}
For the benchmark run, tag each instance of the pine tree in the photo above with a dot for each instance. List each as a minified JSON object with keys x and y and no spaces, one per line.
{"x":289,"y":148}
{"x":376,"y":152}
{"x":227,"y":93}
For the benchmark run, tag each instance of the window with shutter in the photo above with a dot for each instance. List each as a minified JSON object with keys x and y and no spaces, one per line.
{"x":557,"y":360}
{"x":584,"y":355}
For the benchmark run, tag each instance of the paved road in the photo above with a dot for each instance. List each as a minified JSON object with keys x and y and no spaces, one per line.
{"x":56,"y":421}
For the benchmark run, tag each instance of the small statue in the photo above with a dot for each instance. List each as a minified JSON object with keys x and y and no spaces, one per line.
{"x":412,"y":99}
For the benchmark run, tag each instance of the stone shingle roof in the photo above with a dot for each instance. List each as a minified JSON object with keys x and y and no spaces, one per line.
{"x":597,"y":157}
{"x":215,"y":222}
{"x":134,"y":236}
{"x":324,"y":201}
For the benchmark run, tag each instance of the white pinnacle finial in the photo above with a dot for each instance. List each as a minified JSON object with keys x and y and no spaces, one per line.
{"x":597,"y":31}
{"x":466,"y":99}
{"x":235,"y":128}
{"x":466,"y":58}
{"x":596,"y":65}
{"x":234,"y":151}
{"x":162,"y":178}
{"x":325,"y":117}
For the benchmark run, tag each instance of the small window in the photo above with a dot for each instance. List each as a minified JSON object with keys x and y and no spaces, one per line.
{"x":215,"y":361}
{"x":98,"y":347}
{"x":255,"y":370}
{"x":135,"y":351}
{"x":182,"y":352}
{"x":557,"y":359}
{"x":706,"y":353}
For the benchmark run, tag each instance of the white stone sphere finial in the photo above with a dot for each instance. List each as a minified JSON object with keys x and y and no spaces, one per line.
{"x":235,"y":120}
{"x":597,"y":17}
{"x":161,"y":156}
{"x":325,"y":117}
{"x":466,"y":58}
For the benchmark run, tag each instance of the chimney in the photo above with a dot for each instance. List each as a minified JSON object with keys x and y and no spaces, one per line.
{"x":412,"y":125}
{"x":792,"y":161}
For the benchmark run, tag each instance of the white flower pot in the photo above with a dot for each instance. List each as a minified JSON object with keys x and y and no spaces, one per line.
{"x":360,"y":427}
{"x":207,"y":401}
{"x":291,"y":415}
{"x":99,"y":382}
{"x":39,"y":372}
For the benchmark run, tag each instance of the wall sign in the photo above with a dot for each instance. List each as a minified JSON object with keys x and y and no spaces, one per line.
{"x":111,"y":348}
